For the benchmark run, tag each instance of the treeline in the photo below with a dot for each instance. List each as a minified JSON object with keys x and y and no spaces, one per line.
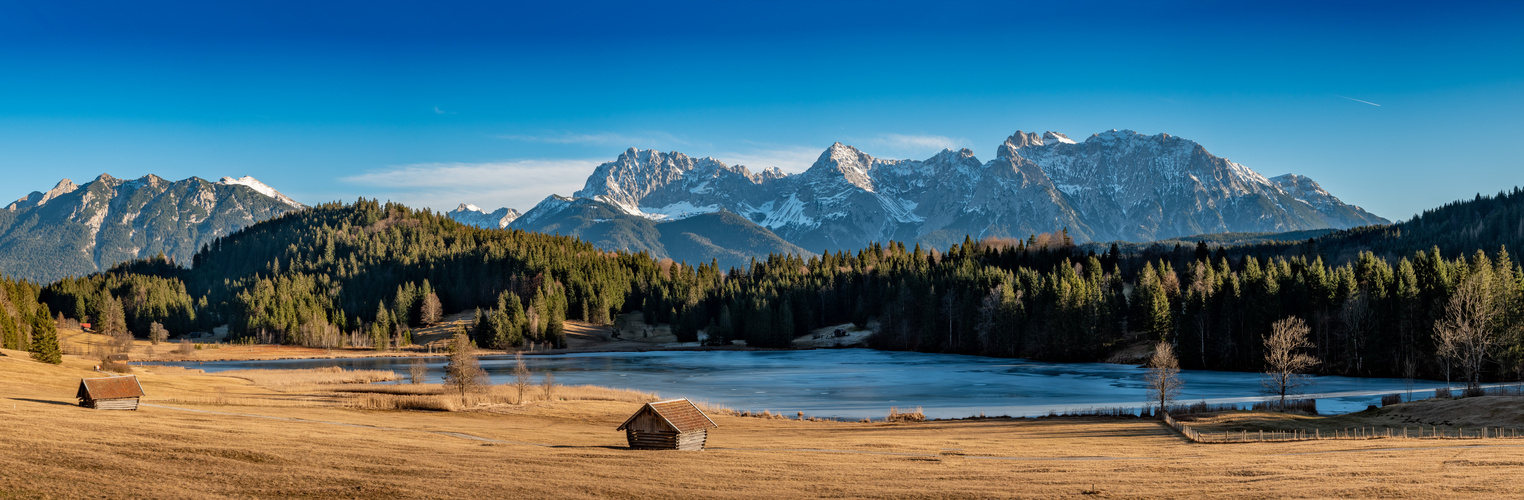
{"x":1370,"y":317}
{"x":362,"y":274}
{"x":26,"y":324}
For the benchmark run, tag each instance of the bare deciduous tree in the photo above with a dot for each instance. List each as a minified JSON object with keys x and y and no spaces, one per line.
{"x":1163,"y":376}
{"x":463,"y":373}
{"x":522,"y":377}
{"x":1469,"y":331}
{"x":549,"y":386}
{"x":431,"y":310}
{"x":1283,"y":364}
{"x":417,"y":370}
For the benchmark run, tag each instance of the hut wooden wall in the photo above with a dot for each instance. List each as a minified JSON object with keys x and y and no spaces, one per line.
{"x":667,"y":440}
{"x":113,"y":404}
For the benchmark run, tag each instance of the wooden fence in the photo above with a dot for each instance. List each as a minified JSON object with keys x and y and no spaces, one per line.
{"x":1351,"y":433}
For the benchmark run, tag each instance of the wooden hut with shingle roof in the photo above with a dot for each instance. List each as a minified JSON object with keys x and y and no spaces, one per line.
{"x":110,"y":393}
{"x":668,"y":425}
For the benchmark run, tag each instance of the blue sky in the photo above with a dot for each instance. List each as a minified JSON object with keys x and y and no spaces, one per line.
{"x":501,"y":104}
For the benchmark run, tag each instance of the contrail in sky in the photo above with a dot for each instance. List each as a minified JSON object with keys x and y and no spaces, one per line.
{"x":1357,"y":100}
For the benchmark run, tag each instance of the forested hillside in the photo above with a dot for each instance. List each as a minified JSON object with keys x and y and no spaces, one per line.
{"x":362,"y":274}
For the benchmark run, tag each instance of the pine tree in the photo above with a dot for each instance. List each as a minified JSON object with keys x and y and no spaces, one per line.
{"x":45,"y":337}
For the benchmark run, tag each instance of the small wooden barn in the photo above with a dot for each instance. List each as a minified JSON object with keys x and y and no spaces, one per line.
{"x":110,"y":393}
{"x":668,"y":425}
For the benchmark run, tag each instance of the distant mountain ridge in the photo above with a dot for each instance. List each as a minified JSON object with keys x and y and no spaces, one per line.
{"x":722,"y":236}
{"x":1116,"y":185}
{"x":80,"y":229}
{"x":475,"y":216}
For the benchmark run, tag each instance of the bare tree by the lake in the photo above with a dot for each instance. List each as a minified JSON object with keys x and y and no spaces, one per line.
{"x":1163,"y":376}
{"x":1469,"y":331}
{"x":548,"y":386}
{"x":1283,"y":363}
{"x":417,"y":370}
{"x":463,"y":373}
{"x":522,"y":377}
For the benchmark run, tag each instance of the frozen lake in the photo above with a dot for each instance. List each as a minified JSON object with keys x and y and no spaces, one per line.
{"x":857,"y":383}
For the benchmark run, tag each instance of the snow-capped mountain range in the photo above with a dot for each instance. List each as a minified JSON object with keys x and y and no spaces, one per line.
{"x":1115,"y":185}
{"x":75,"y":229}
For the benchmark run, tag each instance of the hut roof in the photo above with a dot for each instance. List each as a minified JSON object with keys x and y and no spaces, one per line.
{"x":681,"y":414}
{"x":110,"y":388}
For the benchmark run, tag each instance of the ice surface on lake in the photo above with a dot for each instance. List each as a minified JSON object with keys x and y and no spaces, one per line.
{"x":857,"y":383}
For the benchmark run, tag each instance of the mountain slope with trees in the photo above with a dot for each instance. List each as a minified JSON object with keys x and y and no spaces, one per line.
{"x":74,"y":230}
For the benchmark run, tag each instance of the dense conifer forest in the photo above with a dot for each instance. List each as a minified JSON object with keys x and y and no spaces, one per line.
{"x":25,"y":323}
{"x":363,"y":274}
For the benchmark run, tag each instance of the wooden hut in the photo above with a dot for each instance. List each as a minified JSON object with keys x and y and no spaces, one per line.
{"x":668,"y":425}
{"x":110,"y":393}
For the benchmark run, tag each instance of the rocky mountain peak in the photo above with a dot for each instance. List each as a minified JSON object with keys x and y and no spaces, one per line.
{"x":844,"y":162}
{"x":38,"y":198}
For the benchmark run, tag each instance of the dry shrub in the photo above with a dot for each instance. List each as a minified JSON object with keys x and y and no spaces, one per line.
{"x":1308,"y":406}
{"x":416,"y":371}
{"x":764,"y":414}
{"x":111,"y":365}
{"x":1391,"y":399}
{"x":895,"y":415}
{"x":393,"y":402}
{"x":311,"y":376}
{"x":1443,"y":392}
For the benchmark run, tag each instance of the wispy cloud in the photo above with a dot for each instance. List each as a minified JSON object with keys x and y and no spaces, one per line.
{"x":516,"y":184}
{"x":791,"y":159}
{"x":1361,"y":101}
{"x":902,"y":142}
{"x":636,"y":140}
{"x":438,"y":111}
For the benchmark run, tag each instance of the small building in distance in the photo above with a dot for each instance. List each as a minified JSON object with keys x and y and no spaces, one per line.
{"x":668,"y":425}
{"x":110,"y":393}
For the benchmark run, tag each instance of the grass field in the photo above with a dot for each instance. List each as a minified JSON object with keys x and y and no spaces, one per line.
{"x":215,"y":436}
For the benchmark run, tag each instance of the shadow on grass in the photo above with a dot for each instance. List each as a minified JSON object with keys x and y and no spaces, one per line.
{"x":47,"y":401}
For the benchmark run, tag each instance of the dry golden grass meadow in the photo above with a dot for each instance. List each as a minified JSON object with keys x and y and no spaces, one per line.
{"x":305,"y":435}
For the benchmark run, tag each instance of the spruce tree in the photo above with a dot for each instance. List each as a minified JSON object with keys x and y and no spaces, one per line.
{"x":45,"y":337}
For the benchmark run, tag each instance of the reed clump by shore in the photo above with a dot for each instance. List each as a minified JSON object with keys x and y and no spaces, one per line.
{"x":437,"y":397}
{"x":311,"y":376}
{"x":895,"y":415}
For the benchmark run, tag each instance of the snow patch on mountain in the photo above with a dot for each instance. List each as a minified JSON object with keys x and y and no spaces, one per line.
{"x":261,"y":188}
{"x":675,"y":211}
